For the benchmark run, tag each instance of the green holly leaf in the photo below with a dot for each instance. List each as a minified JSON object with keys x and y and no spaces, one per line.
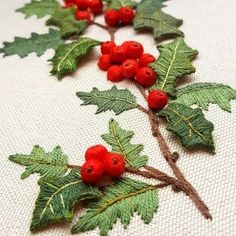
{"x":162,"y":24}
{"x":65,"y":20}
{"x":66,"y":57}
{"x":37,"y":43}
{"x":48,"y":165}
{"x":57,"y":198}
{"x":174,"y":62}
{"x":150,"y":5}
{"x":117,"y":100}
{"x":119,"y":201}
{"x":39,"y":8}
{"x":189,"y":125}
{"x":117,"y":4}
{"x":203,"y":94}
{"x":119,"y":139}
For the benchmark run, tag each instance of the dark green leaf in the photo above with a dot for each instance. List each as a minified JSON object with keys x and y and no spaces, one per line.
{"x":121,"y":200}
{"x":150,"y":6}
{"x":117,"y":100}
{"x":189,"y":125}
{"x":117,"y":4}
{"x":119,"y":139}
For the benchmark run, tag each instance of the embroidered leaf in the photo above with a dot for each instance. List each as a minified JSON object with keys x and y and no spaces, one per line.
{"x":57,"y":198}
{"x":66,"y":57}
{"x":117,"y":4}
{"x":119,"y":201}
{"x":117,"y":100}
{"x":48,"y":165}
{"x":202,"y":94}
{"x":150,"y":5}
{"x":65,"y":20}
{"x":162,"y":24}
{"x":39,"y":8}
{"x":189,"y":125}
{"x":119,"y":139}
{"x":37,"y":43}
{"x":174,"y":61}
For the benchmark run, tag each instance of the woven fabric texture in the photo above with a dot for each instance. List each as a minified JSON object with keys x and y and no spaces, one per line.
{"x":35,"y":108}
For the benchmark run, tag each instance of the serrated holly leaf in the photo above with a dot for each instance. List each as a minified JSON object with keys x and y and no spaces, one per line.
{"x":150,"y":5}
{"x":119,"y":139}
{"x":57,"y":198}
{"x":117,"y":100}
{"x":39,"y":8}
{"x":117,"y":4}
{"x":66,"y":57}
{"x":174,"y":62}
{"x":48,"y":165}
{"x":119,"y":201}
{"x":203,"y":94}
{"x":162,"y":24}
{"x":37,"y":43}
{"x":65,"y":20}
{"x":189,"y":125}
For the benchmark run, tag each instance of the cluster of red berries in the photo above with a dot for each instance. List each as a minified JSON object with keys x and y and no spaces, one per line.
{"x":85,"y":8}
{"x":124,"y":16}
{"x":100,"y":162}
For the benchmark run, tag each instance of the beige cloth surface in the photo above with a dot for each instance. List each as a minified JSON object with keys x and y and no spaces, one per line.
{"x":37,"y":109}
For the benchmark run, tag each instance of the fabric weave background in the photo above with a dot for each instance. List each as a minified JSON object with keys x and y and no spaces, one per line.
{"x":37,"y":109}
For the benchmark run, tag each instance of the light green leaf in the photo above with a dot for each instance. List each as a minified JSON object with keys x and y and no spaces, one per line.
{"x":189,"y":125}
{"x":39,"y":8}
{"x":117,"y":4}
{"x":117,"y":100}
{"x":119,"y":139}
{"x":162,"y":24}
{"x":57,"y":198}
{"x":37,"y":43}
{"x":174,"y":62}
{"x":48,"y":165}
{"x":119,"y":201}
{"x":150,"y":6}
{"x":66,"y":57}
{"x":65,"y":20}
{"x":203,"y":94}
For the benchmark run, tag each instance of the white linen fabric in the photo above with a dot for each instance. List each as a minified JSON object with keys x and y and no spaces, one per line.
{"x":35,"y":108}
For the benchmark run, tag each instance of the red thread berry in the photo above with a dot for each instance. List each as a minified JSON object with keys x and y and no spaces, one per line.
{"x":112,"y":18}
{"x":146,"y":76}
{"x":134,"y":50}
{"x":129,"y":68}
{"x":83,"y":15}
{"x":96,"y":152}
{"x":114,"y":74}
{"x":92,"y":171}
{"x":117,"y":55}
{"x":125,"y":45}
{"x":126,"y":15}
{"x":82,"y":4}
{"x":157,"y":99}
{"x":96,"y":6}
{"x":146,"y":59}
{"x":107,"y":46}
{"x":114,"y":165}
{"x":104,"y":62}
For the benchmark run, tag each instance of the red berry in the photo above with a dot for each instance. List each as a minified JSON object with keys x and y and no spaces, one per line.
{"x":157,"y":99}
{"x":114,"y":165}
{"x":146,"y":59}
{"x":129,"y":68}
{"x":112,"y":18}
{"x":134,"y":50}
{"x":146,"y":76}
{"x":125,"y":45}
{"x":117,"y":55}
{"x":92,"y":171}
{"x":104,"y":62}
{"x":83,"y":15}
{"x":82,"y":4}
{"x":96,"y":152}
{"x":107,"y":46}
{"x":114,"y":74}
{"x":126,"y":15}
{"x":96,"y":6}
